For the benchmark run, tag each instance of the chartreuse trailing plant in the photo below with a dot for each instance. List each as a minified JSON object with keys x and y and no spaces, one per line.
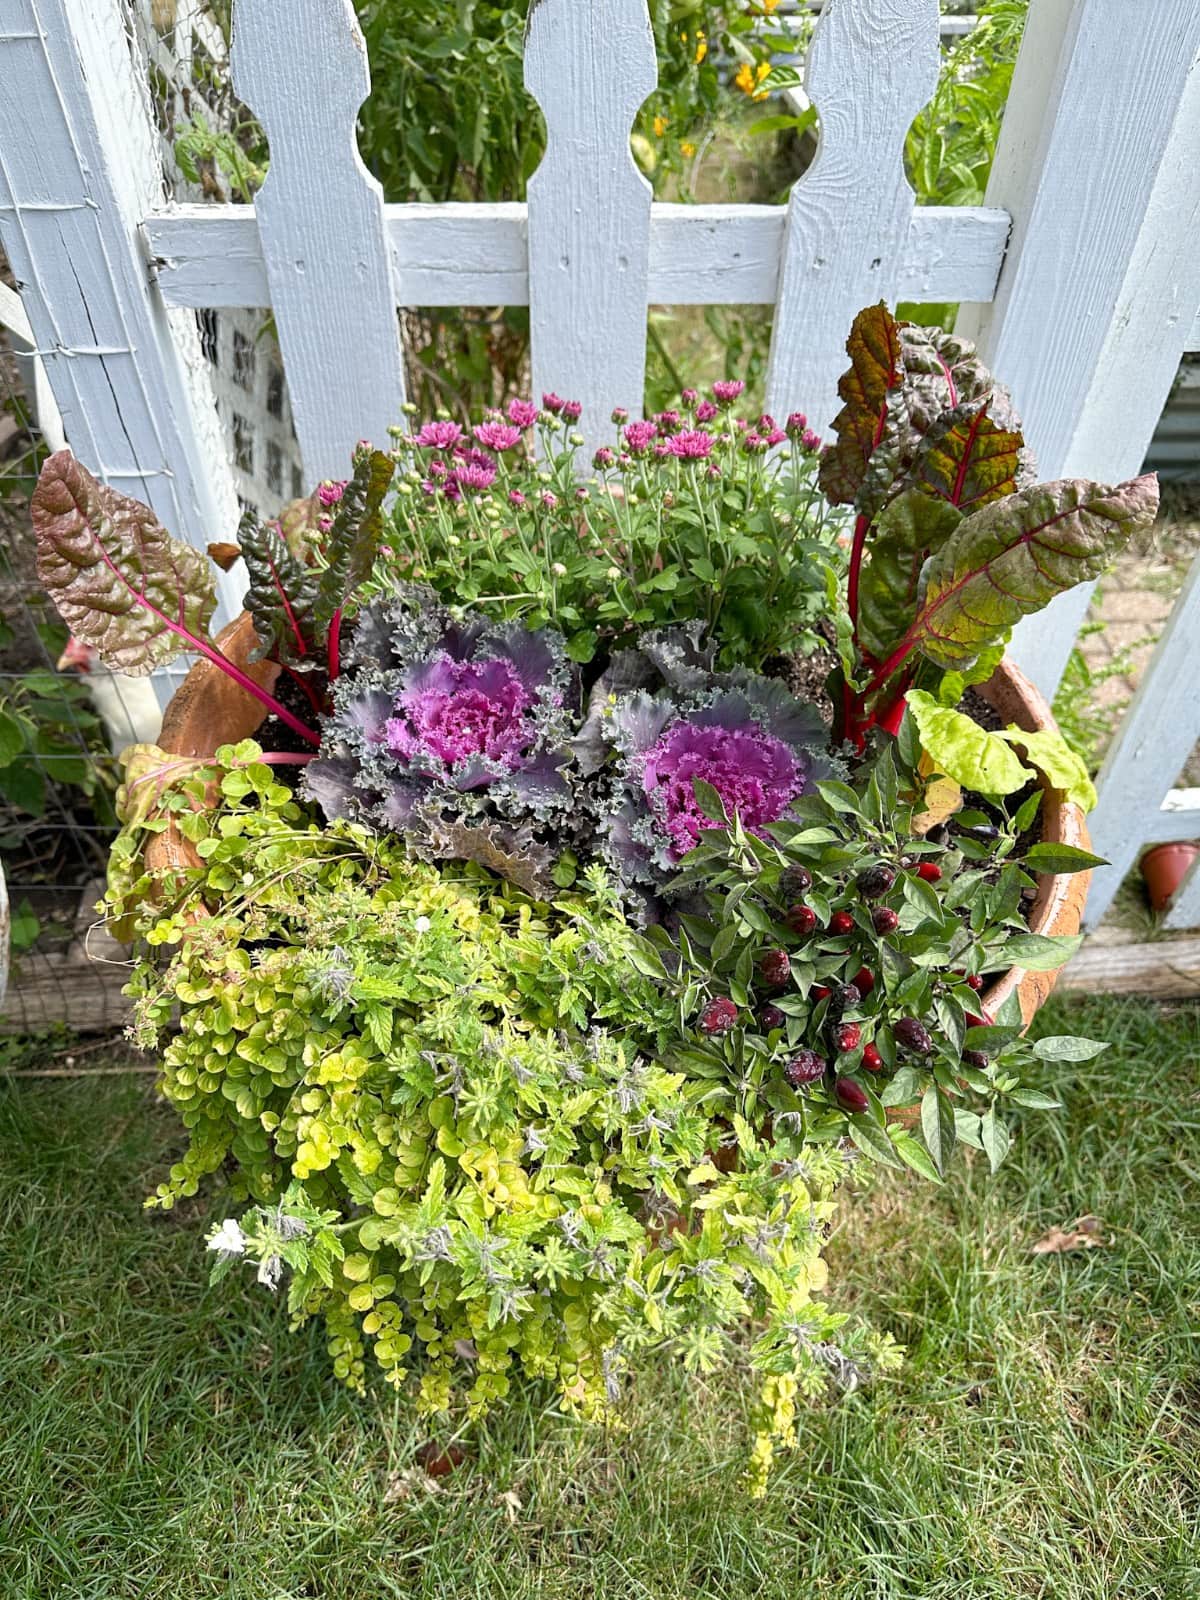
{"x":953,"y":539}
{"x":454,"y":1119}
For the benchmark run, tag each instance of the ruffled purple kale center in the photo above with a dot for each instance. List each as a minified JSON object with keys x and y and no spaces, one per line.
{"x":457,"y":711}
{"x":756,"y":775}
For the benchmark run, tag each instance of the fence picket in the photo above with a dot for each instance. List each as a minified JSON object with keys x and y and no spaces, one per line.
{"x":871,"y":67}
{"x":1097,"y":162}
{"x":589,"y":64}
{"x":301,"y":67}
{"x":79,"y":168}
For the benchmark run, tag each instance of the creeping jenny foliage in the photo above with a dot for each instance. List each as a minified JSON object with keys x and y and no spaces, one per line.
{"x":453,"y":1113}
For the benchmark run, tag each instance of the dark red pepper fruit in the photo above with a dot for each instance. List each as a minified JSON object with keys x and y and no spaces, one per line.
{"x":776,"y":968}
{"x":848,"y":995}
{"x":718,"y":1016}
{"x":884,"y":919}
{"x":872,"y":1060}
{"x":874,"y":882}
{"x":801,"y":919}
{"x":771,"y":1017}
{"x":806,"y":1066}
{"x":975,"y":1058}
{"x":851,"y":1096}
{"x":914,"y":1036}
{"x":841,"y":922}
{"x":975,"y":981}
{"x":794,"y":881}
{"x":930,"y":871}
{"x":846,"y":1036}
{"x":864,"y":980}
{"x":818,"y":991}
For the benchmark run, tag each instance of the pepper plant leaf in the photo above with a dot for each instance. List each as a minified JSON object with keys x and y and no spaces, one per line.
{"x":875,"y":371}
{"x":120,"y":581}
{"x":281,"y":595}
{"x":1015,"y":555}
{"x":906,"y":533}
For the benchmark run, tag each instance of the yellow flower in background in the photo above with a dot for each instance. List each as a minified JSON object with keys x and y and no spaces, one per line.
{"x":701,"y":48}
{"x":748,"y":79}
{"x":660,"y":126}
{"x":687,"y":149}
{"x":769,"y":6}
{"x":744,"y":78}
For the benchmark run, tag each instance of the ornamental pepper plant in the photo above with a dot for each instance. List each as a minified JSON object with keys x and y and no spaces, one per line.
{"x":619,"y":859}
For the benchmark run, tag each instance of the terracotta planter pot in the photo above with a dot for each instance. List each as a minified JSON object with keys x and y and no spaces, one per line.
{"x":210,"y":710}
{"x":1164,"y":869}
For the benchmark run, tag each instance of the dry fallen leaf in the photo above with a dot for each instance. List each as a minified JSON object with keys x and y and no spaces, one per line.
{"x":943,"y":798}
{"x":224,"y":554}
{"x":1083,"y":1234}
{"x":512,"y":1503}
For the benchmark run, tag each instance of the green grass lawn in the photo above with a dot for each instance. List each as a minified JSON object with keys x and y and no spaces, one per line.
{"x":1043,"y":1439}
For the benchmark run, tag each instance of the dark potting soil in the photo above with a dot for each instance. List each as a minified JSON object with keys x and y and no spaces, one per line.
{"x":277,"y":738}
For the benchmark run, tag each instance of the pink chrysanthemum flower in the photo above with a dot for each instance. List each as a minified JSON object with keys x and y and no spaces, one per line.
{"x":475,"y":475}
{"x":810,"y":440}
{"x":331,"y":491}
{"x":603,"y":458}
{"x":639,"y":436}
{"x":726,"y":390}
{"x":549,"y":500}
{"x":516,"y":498}
{"x":522,"y":413}
{"x":572,"y":410}
{"x":439,"y":435}
{"x":753,"y":444}
{"x":797,"y":422}
{"x":706,"y":411}
{"x":776,"y":436}
{"x":553,"y":403}
{"x":692,"y":445}
{"x":497,"y":436}
{"x":668,"y":421}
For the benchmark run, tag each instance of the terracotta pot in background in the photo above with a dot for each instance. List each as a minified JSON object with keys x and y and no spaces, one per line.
{"x":210,"y":710}
{"x":1164,"y":868}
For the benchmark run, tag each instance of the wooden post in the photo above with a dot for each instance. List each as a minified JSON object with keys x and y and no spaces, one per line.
{"x":79,"y":169}
{"x":589,"y":64}
{"x":301,"y":67}
{"x":1099,"y":164}
{"x":872,"y":65}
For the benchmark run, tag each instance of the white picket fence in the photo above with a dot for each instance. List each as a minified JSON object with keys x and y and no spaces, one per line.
{"x":1080,"y":276}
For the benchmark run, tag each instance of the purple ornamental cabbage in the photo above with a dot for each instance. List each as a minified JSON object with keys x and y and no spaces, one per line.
{"x":438,"y":721}
{"x":746,"y":736}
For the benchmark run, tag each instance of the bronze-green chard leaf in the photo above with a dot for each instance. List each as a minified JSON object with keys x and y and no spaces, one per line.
{"x":905,"y":533}
{"x":120,"y":581}
{"x":281,"y":595}
{"x":1012,"y":557}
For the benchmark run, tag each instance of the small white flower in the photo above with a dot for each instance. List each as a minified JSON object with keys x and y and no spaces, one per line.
{"x":613,"y":574}
{"x":228,"y":1239}
{"x":558,"y":569}
{"x":270,"y":1271}
{"x":422,"y":924}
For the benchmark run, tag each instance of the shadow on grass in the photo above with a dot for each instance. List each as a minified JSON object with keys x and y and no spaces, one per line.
{"x":162,"y":1439}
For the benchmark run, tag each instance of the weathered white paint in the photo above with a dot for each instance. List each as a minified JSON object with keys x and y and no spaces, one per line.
{"x":1098,"y":164}
{"x":478,"y":255}
{"x":872,"y":66}
{"x":1184,"y":910}
{"x":589,"y":64}
{"x":301,"y":67}
{"x":33,"y":373}
{"x":78,"y":170}
{"x":1152,"y":743}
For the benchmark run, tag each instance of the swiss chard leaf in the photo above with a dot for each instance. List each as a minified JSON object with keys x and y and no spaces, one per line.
{"x":876,"y":368}
{"x":281,"y":595}
{"x":941,"y":372}
{"x":906,"y":533}
{"x":1015,"y":555}
{"x":120,"y":581}
{"x":353,"y":541}
{"x":967,"y":460}
{"x":962,"y":750}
